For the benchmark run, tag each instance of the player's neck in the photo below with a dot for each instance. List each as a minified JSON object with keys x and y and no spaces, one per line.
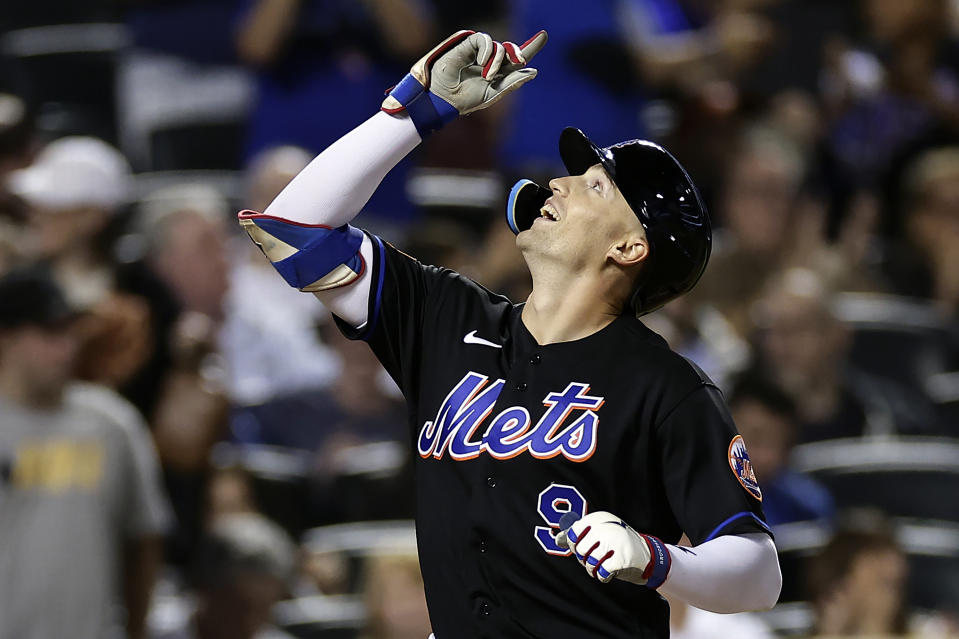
{"x":567,"y":310}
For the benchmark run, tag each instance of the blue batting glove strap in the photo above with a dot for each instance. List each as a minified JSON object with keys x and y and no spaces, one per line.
{"x":408,"y":89}
{"x":427,"y":111}
{"x":659,"y":562}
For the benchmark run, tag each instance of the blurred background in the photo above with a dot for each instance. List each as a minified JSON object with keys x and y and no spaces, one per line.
{"x":189,"y":449}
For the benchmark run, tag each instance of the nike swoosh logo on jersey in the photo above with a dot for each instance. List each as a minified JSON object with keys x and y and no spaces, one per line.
{"x":470,"y":338}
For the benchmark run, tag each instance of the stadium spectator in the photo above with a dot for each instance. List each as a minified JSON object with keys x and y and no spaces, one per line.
{"x":605,"y":64}
{"x":184,"y":230}
{"x":361,"y":405}
{"x":360,"y":468}
{"x":17,"y":136}
{"x":181,"y":388}
{"x":758,"y":211}
{"x":271,"y":340}
{"x":82,"y":510}
{"x":229,"y":492}
{"x":394,"y":597}
{"x":926,"y":264}
{"x":804,"y":347}
{"x":857,"y":584}
{"x":75,"y":191}
{"x":17,"y":140}
{"x":74,"y":188}
{"x":766,"y":418}
{"x":304,"y":52}
{"x":894,"y":89}
{"x":245,"y":566}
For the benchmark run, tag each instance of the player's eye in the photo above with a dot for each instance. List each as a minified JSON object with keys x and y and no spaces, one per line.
{"x":596,"y":185}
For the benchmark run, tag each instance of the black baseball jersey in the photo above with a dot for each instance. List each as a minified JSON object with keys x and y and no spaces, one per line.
{"x":509,"y":435}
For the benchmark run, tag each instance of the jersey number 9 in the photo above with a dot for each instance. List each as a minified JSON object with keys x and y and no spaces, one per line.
{"x":554,"y":502}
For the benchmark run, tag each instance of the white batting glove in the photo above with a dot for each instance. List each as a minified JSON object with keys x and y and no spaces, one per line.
{"x":466,"y":72}
{"x":608,"y":547}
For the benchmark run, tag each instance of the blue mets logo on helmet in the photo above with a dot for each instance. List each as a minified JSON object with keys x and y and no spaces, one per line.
{"x":742,"y":467}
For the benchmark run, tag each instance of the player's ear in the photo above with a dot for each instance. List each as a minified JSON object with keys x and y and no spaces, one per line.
{"x":632,"y":249}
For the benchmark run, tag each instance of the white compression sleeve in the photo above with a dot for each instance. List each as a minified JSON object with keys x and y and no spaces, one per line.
{"x":333,"y":188}
{"x":732,"y":573}
{"x":336,"y":185}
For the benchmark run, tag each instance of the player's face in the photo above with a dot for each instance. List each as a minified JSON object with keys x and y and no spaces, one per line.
{"x":584,"y":220}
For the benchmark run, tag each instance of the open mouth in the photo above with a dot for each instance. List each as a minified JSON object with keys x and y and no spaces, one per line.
{"x":547,"y":212}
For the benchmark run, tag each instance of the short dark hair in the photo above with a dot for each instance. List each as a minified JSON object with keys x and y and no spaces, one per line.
{"x":29,"y":296}
{"x":243,"y":543}
{"x":860,"y":532}
{"x":758,"y":387}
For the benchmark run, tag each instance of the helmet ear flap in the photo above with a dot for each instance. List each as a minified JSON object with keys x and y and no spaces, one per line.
{"x":525,"y":200}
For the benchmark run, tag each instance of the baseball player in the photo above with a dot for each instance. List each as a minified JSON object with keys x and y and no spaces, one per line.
{"x":550,"y":436}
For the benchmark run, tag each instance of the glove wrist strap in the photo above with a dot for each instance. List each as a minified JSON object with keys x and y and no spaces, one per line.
{"x":659,"y":562}
{"x":428,"y":111}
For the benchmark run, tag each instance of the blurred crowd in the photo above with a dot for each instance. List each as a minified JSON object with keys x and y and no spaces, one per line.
{"x":190,"y":449}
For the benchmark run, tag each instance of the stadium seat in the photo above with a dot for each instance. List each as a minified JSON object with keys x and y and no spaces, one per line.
{"x":197,"y":145}
{"x":321,"y":616}
{"x":68,"y":74}
{"x":895,"y":337}
{"x":904,"y":477}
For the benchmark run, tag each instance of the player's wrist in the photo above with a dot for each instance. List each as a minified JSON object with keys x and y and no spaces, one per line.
{"x":657,"y":569}
{"x":428,"y":112}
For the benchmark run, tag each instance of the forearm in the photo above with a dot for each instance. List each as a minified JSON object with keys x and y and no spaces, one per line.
{"x":189,"y":418}
{"x":732,"y":573}
{"x":261,"y":36}
{"x":140,"y":570}
{"x":336,"y":185}
{"x":407,"y":29}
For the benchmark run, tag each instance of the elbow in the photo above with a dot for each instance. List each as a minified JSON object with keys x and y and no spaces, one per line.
{"x":770,"y":597}
{"x":771,"y":580}
{"x":766,"y":580}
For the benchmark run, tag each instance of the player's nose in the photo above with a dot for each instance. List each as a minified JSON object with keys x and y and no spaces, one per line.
{"x":559,"y":185}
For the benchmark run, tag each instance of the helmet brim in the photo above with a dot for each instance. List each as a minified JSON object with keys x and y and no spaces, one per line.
{"x":579,"y":153}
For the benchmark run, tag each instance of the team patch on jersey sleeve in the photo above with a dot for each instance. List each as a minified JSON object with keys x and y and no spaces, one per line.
{"x":742,"y":467}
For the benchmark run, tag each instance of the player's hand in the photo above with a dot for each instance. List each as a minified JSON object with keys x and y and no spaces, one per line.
{"x":608,"y":547}
{"x":466,"y":72}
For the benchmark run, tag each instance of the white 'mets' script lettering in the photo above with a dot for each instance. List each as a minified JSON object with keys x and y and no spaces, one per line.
{"x":455,"y":429}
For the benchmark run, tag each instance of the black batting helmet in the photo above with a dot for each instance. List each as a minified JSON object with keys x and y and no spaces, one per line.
{"x":662,"y":196}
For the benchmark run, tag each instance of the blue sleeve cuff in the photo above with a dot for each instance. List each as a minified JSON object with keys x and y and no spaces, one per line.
{"x":738,"y":516}
{"x":659,"y":562}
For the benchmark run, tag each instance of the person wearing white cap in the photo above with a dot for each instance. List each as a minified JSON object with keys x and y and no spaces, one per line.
{"x":73,"y":189}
